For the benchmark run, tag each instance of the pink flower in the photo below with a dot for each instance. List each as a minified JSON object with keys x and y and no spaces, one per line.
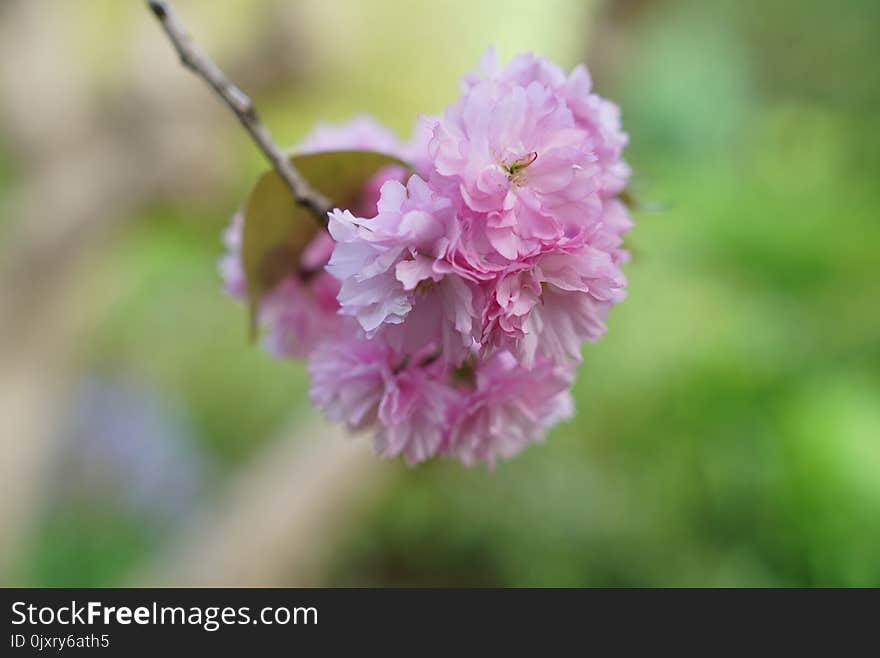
{"x":599,"y":117}
{"x":406,"y":399}
{"x":515,"y":154}
{"x":419,"y":407}
{"x":552,"y":305}
{"x":392,"y":271}
{"x":509,"y":408}
{"x":447,"y":315}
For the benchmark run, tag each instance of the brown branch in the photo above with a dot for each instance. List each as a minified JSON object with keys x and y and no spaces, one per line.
{"x":193,"y":58}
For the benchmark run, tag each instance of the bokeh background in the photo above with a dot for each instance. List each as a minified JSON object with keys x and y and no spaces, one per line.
{"x":728,"y":426}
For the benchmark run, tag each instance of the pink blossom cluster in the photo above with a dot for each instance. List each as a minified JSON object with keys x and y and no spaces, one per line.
{"x":453,"y":302}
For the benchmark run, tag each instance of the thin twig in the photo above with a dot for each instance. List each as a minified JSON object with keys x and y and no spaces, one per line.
{"x":193,"y":58}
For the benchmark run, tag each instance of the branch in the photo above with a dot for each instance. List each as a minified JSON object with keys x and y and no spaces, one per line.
{"x":192,"y":57}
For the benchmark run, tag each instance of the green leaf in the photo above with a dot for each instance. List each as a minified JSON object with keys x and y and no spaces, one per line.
{"x":277,"y":230}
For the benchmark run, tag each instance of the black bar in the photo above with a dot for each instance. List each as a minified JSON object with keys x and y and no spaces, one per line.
{"x":328,"y":622}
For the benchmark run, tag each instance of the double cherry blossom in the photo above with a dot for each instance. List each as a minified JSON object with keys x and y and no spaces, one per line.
{"x":451,"y":304}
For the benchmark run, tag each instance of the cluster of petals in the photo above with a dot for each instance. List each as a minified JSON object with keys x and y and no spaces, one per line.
{"x":510,"y":237}
{"x":455,"y":299}
{"x":420,"y":406}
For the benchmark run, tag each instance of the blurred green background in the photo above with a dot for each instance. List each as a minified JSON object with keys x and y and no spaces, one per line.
{"x":728,"y":425}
